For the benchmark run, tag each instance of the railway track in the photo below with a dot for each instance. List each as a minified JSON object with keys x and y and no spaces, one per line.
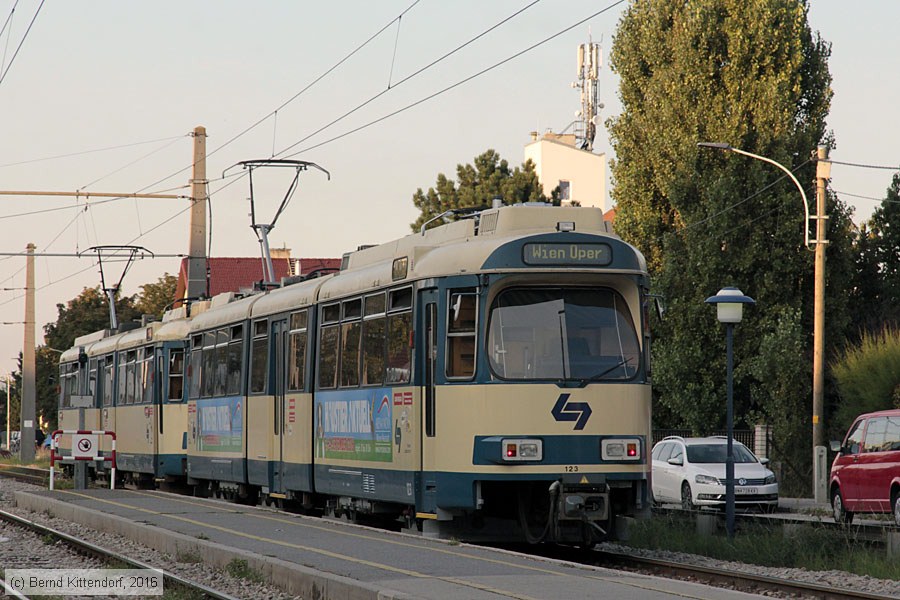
{"x":194,"y":589}
{"x":35,"y":475}
{"x":742,"y":581}
{"x":739,"y":580}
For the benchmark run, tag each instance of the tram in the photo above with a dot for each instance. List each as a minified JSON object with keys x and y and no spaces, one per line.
{"x":486,"y":379}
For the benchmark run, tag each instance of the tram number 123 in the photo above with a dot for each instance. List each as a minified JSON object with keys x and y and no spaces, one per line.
{"x":571,"y":468}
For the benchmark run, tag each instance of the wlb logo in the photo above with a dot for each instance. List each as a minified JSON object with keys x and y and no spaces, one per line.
{"x":564,"y":410}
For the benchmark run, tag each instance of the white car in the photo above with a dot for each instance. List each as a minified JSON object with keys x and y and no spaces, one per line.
{"x":691,"y":472}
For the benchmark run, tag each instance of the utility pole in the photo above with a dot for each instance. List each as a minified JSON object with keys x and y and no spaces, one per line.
{"x":8,"y":408}
{"x":26,"y":430}
{"x":196,"y":270}
{"x":820,"y":466}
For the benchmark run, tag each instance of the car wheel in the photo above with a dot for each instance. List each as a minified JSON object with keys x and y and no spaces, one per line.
{"x":841,"y":515}
{"x":896,"y":505}
{"x":687,"y":499}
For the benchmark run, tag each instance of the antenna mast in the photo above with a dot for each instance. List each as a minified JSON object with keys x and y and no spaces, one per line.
{"x":589,"y":63}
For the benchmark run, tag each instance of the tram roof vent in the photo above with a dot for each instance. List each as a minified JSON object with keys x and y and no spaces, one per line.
{"x":175,"y":313}
{"x":86,"y":339}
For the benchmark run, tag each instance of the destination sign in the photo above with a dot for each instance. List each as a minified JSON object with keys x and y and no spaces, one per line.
{"x":593,"y":255}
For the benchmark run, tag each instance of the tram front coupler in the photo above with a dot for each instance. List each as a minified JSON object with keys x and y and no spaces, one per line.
{"x":581,"y":501}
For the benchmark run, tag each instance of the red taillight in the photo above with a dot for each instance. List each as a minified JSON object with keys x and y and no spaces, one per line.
{"x":510,"y":450}
{"x":631,"y":450}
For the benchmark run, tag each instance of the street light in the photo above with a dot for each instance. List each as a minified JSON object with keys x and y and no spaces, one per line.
{"x":730,"y":148}
{"x":823,"y":171}
{"x":729,"y":303}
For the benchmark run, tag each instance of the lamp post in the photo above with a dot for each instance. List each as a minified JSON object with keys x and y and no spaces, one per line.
{"x":729,"y":303}
{"x":820,"y":467}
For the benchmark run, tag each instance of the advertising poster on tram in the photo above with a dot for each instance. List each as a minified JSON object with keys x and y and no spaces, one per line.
{"x":355,"y":425}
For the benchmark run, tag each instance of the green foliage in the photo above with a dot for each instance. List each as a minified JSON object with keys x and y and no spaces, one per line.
{"x":812,"y":547}
{"x":752,"y":74}
{"x":155,"y":298}
{"x":86,"y":313}
{"x":877,"y":297}
{"x":868,"y":376}
{"x":478,"y":185}
{"x":240,"y":569}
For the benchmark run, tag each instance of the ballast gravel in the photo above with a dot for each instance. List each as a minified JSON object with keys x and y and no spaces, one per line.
{"x":22,"y":549}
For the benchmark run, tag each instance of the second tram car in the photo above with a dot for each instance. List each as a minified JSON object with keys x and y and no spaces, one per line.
{"x":487,"y":379}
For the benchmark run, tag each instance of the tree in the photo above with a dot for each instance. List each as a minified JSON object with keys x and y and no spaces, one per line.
{"x":478,"y":185}
{"x":749,"y":73}
{"x":878,"y":294}
{"x":86,"y":313}
{"x":155,"y":298}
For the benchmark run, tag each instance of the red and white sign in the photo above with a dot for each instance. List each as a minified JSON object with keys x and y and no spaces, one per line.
{"x":85,"y":446}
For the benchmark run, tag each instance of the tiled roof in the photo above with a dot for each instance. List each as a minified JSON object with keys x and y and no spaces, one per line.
{"x":232,"y":274}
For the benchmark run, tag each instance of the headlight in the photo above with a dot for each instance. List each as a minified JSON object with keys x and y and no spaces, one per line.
{"x":707,"y":479}
{"x":515,"y":450}
{"x":770,"y":478}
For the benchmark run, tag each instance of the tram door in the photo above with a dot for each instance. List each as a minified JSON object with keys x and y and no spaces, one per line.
{"x":279,"y":334}
{"x":428,"y":300}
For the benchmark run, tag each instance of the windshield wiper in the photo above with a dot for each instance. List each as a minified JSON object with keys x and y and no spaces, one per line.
{"x":596,"y":377}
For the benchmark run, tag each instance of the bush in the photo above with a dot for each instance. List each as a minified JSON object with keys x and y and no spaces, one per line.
{"x":868,"y":376}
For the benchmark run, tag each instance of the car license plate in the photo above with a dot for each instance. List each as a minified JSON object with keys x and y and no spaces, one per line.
{"x":744,"y":490}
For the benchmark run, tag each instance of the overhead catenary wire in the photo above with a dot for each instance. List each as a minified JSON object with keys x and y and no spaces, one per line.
{"x":12,"y":11}
{"x":22,"y":41}
{"x":452,"y":86}
{"x":418,"y":72}
{"x":263,"y":119}
{"x":93,"y":151}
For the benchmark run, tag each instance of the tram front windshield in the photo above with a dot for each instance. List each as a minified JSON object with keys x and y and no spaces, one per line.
{"x":585,"y":334}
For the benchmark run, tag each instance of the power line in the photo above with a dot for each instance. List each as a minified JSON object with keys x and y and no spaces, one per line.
{"x":22,"y":41}
{"x":34,"y":160}
{"x":295,"y":96}
{"x":457,"y":84}
{"x":862,"y":166}
{"x":739,"y":202}
{"x":408,"y":77}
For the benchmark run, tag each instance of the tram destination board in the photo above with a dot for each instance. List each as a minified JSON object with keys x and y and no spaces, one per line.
{"x":594,"y":255}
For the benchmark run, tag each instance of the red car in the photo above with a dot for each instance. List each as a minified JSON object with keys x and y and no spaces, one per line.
{"x":865,"y":474}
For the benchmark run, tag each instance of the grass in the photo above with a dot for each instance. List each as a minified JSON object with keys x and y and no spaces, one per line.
{"x":41,"y":460}
{"x":239,"y":569}
{"x":814,"y":548}
{"x":191,"y":556}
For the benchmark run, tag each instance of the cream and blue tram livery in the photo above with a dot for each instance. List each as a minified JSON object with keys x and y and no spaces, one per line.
{"x":135,"y":383}
{"x":489,"y":378}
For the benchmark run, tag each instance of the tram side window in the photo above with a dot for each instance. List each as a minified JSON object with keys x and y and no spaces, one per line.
{"x":208,"y":369}
{"x":234,"y":359}
{"x":221,"y":365}
{"x":350,"y":342}
{"x":121,"y":379}
{"x":68,"y":383}
{"x":373,"y":344}
{"x":106,"y":385}
{"x":92,"y":378}
{"x":297,"y":351}
{"x":399,"y":336}
{"x":196,"y":361}
{"x":176,"y":375}
{"x":130,"y":364}
{"x":147,"y":378}
{"x":328,"y":346}
{"x":259,"y":357}
{"x":461,"y":326}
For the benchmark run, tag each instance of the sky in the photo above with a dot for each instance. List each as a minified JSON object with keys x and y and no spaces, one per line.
{"x":101,"y":96}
